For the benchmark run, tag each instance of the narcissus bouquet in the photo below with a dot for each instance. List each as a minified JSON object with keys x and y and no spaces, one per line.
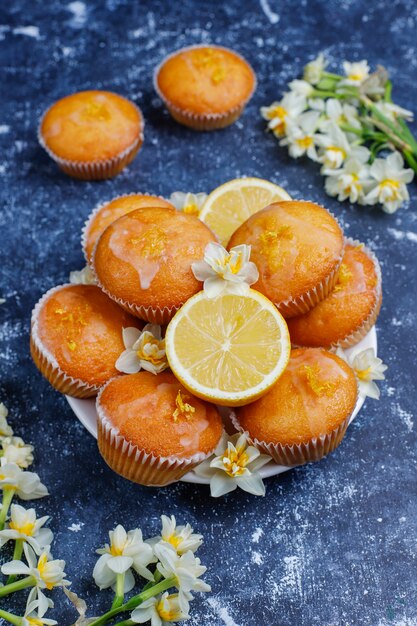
{"x":351,"y":126}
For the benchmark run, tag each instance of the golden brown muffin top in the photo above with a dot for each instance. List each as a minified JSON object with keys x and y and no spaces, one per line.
{"x":160,"y":416}
{"x":205,"y":80}
{"x":81,"y":329}
{"x":314,"y":395}
{"x":91,"y":126}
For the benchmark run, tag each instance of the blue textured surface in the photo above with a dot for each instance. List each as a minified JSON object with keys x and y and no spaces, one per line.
{"x":332,"y":543}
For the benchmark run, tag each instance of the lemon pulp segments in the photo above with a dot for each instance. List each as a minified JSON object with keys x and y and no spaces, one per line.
{"x":230,"y":349}
{"x":228,"y":206}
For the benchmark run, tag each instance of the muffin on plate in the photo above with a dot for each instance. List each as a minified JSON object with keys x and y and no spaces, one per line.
{"x":305,"y":414}
{"x":350,"y":310}
{"x":92,"y":134}
{"x":297,"y":247}
{"x":103,"y":215}
{"x":143,"y":261}
{"x":76,"y":338}
{"x":151,"y":430}
{"x":205,"y":87}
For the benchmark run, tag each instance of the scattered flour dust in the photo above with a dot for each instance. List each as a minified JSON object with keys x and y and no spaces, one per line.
{"x":28,"y":31}
{"x":4,"y":128}
{"x":272,"y":17}
{"x":257,"y":558}
{"x":222,"y":612}
{"x":257,"y":535}
{"x":405,"y":417}
{"x":79,"y":13}
{"x":402,"y":234}
{"x":75,"y":528}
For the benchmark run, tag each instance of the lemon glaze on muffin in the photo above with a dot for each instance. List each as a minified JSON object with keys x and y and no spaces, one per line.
{"x":297,"y":247}
{"x":205,"y":87}
{"x":143,"y":261}
{"x":305,"y":414}
{"x":103,"y":215}
{"x":350,"y":310}
{"x":92,"y":134}
{"x":76,"y":338}
{"x":151,"y":430}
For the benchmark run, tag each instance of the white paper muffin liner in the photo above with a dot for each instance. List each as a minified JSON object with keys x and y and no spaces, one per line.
{"x":207,"y":121}
{"x":102,"y":168}
{"x":47,"y":363}
{"x":299,"y":454}
{"x":135,"y":464}
{"x":97,"y":209}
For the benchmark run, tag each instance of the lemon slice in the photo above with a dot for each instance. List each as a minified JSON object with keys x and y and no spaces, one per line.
{"x":229,"y":350}
{"x":228,"y":206}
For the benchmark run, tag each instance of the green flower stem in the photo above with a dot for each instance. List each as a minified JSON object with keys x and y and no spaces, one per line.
{"x":135,"y":601}
{"x":395,"y":137}
{"x":321,"y":93}
{"x":11,"y":617}
{"x":351,"y":129}
{"x":23,"y":583}
{"x":126,"y":622}
{"x":388,"y":91}
{"x":412,"y":162}
{"x":391,"y":128}
{"x":7,"y":500}
{"x":120,"y":591}
{"x":17,"y":555}
{"x":331,"y":75}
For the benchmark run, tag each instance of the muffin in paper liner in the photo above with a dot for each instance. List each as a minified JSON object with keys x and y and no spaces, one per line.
{"x":95,"y":170}
{"x":48,"y":365}
{"x":88,"y":222}
{"x":135,"y":464}
{"x":207,"y":121}
{"x":298,"y":454}
{"x":363,"y":329}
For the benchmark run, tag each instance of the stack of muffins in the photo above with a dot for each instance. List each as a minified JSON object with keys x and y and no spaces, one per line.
{"x":151,"y":429}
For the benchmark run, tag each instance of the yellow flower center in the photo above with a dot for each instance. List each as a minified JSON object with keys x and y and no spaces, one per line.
{"x":336,"y":151}
{"x":318,"y":386}
{"x":235,"y":461}
{"x":279,"y":112}
{"x":364,"y":375}
{"x":184,"y":409}
{"x":356,"y":76}
{"x":36,"y":621}
{"x":174,"y":540}
{"x":42,"y":569}
{"x":232,"y":262}
{"x":191,"y":209}
{"x":26,"y":529}
{"x":392,"y":186}
{"x":151,"y":349}
{"x":343,"y":277}
{"x":167,"y":611}
{"x":304,"y":142}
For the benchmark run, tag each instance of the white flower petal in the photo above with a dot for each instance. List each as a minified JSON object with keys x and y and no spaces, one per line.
{"x":128,"y":362}
{"x":130,"y":336}
{"x":220,"y":484}
{"x":252,"y":484}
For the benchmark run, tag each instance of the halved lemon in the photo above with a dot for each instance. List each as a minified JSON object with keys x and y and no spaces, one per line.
{"x":229,"y":350}
{"x":229,"y":205}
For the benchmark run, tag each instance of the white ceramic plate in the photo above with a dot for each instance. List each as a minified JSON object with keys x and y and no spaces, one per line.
{"x":85,"y":410}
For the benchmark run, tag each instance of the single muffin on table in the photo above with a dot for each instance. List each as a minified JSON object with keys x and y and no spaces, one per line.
{"x":92,"y":134}
{"x":350,"y":310}
{"x":297,"y":247}
{"x":103,"y":215}
{"x":76,"y":338}
{"x":305,"y":414}
{"x":143,"y":261}
{"x":205,"y":87}
{"x":151,"y":430}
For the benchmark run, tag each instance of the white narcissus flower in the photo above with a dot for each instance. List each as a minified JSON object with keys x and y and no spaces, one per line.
{"x":187,"y":202}
{"x":367,"y":368}
{"x":389,"y":182}
{"x":160,"y":610}
{"x":186,"y":569}
{"x":222,"y":270}
{"x":83,"y":277}
{"x":301,"y":87}
{"x":301,"y":135}
{"x":126,"y":551}
{"x":5,"y":429}
{"x":279,"y":114}
{"x":23,"y":525}
{"x":145,"y":349}
{"x":351,"y":181}
{"x":46,"y":573}
{"x":314,"y":70}
{"x":394,"y":112}
{"x":334,"y":147}
{"x":181,"y":538}
{"x":235,"y":464}
{"x":339,"y":113}
{"x":15,"y":450}
{"x":26,"y":485}
{"x":356,"y":73}
{"x":35,"y":611}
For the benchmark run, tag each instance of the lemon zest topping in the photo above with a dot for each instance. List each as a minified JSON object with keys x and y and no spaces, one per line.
{"x":98,"y":111}
{"x":152,"y":241}
{"x":317,"y":385}
{"x":343,"y":277}
{"x":218,"y":75}
{"x":184,"y":409}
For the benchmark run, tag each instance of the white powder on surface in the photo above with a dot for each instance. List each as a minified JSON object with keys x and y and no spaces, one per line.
{"x":402,"y":234}
{"x":270,"y":14}
{"x":28,"y":31}
{"x":222,"y":612}
{"x":75,"y":528}
{"x":257,"y":558}
{"x":257,"y":535}
{"x":405,"y":417}
{"x":79,"y":13}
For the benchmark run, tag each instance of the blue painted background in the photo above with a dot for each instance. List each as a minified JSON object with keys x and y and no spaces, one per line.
{"x":332,"y":543}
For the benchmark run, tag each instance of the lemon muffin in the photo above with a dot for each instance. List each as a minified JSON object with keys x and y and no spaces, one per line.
{"x":297,"y":247}
{"x":205,"y":87}
{"x":103,"y":215}
{"x":76,"y":338}
{"x":143,"y":261}
{"x":151,"y":430}
{"x":305,"y":414}
{"x":350,"y":310}
{"x":92,"y":134}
